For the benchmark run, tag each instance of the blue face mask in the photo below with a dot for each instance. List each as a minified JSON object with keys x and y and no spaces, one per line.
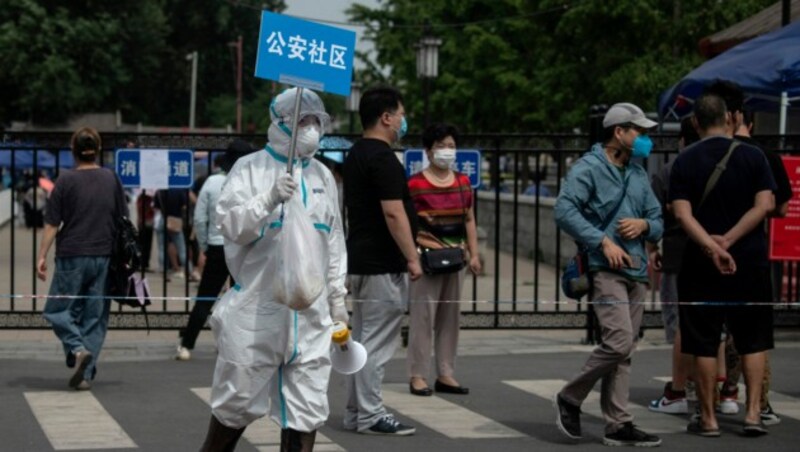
{"x":642,"y":146}
{"x":403,"y":129}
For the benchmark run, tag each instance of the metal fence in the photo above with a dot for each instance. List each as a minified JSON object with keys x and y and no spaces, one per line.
{"x":523,"y":250}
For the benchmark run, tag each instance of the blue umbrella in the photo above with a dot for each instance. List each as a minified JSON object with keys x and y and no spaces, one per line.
{"x":767,"y":68}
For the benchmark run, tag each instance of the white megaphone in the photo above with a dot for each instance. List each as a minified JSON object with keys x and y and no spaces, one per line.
{"x":348,"y":356}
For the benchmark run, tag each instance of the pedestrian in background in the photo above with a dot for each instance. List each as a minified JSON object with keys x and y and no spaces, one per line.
{"x":381,"y":255}
{"x":443,"y":202}
{"x":210,"y":242}
{"x":667,"y":261}
{"x":606,"y":205}
{"x":81,"y":218}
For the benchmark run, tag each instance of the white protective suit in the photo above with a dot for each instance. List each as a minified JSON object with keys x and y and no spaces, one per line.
{"x":269,"y":355}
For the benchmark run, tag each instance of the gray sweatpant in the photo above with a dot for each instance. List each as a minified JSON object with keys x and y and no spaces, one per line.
{"x":611,"y":360}
{"x":381,"y":302}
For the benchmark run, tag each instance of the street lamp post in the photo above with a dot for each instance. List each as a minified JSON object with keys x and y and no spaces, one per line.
{"x":352,"y":103}
{"x":427,"y":66}
{"x":193,"y":98}
{"x":238,"y":46}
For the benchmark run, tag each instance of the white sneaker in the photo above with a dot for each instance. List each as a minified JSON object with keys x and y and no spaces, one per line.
{"x":178,"y":275}
{"x":728,"y":406}
{"x":183,"y":354}
{"x":665,"y":405}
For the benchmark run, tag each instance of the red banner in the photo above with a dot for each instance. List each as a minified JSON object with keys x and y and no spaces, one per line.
{"x":784,"y":233}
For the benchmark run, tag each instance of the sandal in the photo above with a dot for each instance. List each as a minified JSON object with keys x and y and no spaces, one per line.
{"x":697,"y":428}
{"x":754,"y":430}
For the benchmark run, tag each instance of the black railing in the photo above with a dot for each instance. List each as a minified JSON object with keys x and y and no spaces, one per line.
{"x":521,"y":240}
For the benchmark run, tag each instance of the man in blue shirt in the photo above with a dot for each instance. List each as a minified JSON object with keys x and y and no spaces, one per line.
{"x":608,"y":207}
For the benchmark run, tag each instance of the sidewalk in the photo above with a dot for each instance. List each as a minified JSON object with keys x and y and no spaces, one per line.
{"x":122,"y":345}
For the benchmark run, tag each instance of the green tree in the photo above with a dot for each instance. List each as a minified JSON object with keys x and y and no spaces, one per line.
{"x":523,"y":65}
{"x":63,"y":58}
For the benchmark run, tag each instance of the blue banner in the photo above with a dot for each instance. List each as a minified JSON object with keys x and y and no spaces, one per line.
{"x":155,"y":168}
{"x":468,"y":163}
{"x":305,"y":54}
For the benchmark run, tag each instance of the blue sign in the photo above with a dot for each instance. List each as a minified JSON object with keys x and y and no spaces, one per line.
{"x":468,"y":163}
{"x":305,"y":54}
{"x":155,"y":168}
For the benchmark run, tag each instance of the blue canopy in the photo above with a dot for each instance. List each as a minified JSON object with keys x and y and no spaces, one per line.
{"x":765,"y":67}
{"x":23,"y":159}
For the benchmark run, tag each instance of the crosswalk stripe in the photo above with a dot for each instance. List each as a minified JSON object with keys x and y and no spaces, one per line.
{"x":265,"y":436}
{"x":76,"y":420}
{"x":447,"y":418}
{"x":649,"y":421}
{"x":782,"y":404}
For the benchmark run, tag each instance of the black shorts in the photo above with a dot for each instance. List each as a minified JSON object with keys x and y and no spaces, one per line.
{"x":701,"y":325}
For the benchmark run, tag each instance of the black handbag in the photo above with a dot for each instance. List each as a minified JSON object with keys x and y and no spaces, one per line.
{"x":448,"y":259}
{"x":443,"y":260}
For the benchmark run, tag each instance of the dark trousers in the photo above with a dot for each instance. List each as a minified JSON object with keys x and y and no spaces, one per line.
{"x":146,"y":244}
{"x":214,"y":275}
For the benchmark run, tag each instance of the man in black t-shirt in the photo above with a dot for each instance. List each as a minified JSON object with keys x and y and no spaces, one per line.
{"x":740,"y":127}
{"x":381,"y":250}
{"x":726,"y":259}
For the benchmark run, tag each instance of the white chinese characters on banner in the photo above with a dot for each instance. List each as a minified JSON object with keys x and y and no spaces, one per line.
{"x":128,"y":168}
{"x":298,"y":48}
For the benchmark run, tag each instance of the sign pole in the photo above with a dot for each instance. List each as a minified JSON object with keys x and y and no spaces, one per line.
{"x":290,"y":163}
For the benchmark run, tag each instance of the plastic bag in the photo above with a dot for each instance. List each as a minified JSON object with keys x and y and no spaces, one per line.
{"x":300,"y":278}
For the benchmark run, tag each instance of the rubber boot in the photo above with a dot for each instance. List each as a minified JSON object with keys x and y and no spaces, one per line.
{"x":221,"y":438}
{"x":294,"y":441}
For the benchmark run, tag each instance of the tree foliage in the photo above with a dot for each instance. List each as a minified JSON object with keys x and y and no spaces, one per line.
{"x":62,"y":58}
{"x":522,"y":65}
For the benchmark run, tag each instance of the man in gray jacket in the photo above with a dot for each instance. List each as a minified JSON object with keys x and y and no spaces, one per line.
{"x":608,"y":207}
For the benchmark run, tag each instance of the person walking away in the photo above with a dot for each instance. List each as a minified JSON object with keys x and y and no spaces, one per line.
{"x":607,"y":205}
{"x":382,"y":255}
{"x":81,"y":217}
{"x":443,"y":202}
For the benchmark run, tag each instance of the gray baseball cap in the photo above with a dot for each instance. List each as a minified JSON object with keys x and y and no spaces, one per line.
{"x":625,"y":113}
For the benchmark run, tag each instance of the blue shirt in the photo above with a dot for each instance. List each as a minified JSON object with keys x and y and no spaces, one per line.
{"x":591,"y":191}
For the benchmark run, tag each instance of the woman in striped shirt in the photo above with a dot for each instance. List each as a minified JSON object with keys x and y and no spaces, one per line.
{"x":443,"y":201}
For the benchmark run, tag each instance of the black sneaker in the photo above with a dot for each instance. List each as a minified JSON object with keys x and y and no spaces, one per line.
{"x":388,"y":425}
{"x":628,"y":435}
{"x":568,"y":417}
{"x":769,"y":417}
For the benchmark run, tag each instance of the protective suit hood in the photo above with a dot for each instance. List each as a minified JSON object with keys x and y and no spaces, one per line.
{"x":281,"y":111}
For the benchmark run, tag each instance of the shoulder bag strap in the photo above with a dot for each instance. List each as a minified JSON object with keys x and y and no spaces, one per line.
{"x":610,"y":217}
{"x":718,"y":170}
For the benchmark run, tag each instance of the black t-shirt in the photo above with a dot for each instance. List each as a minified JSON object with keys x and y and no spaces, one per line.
{"x":173,"y":201}
{"x":783,"y":193}
{"x":87,"y":202}
{"x":372,"y":173}
{"x":746,"y":174}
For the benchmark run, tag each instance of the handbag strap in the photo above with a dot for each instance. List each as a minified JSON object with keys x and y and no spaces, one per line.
{"x":718,"y":170}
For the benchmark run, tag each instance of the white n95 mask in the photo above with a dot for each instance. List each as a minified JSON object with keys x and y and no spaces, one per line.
{"x":308,"y":141}
{"x":444,"y":158}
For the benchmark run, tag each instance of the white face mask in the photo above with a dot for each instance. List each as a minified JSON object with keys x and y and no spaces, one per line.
{"x":444,"y":158}
{"x":308,"y":141}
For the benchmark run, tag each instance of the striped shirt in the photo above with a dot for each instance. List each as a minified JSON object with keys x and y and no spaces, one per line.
{"x":442,"y":210}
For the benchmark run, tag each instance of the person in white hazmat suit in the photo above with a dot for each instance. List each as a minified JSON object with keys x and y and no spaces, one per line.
{"x":271,"y":357}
